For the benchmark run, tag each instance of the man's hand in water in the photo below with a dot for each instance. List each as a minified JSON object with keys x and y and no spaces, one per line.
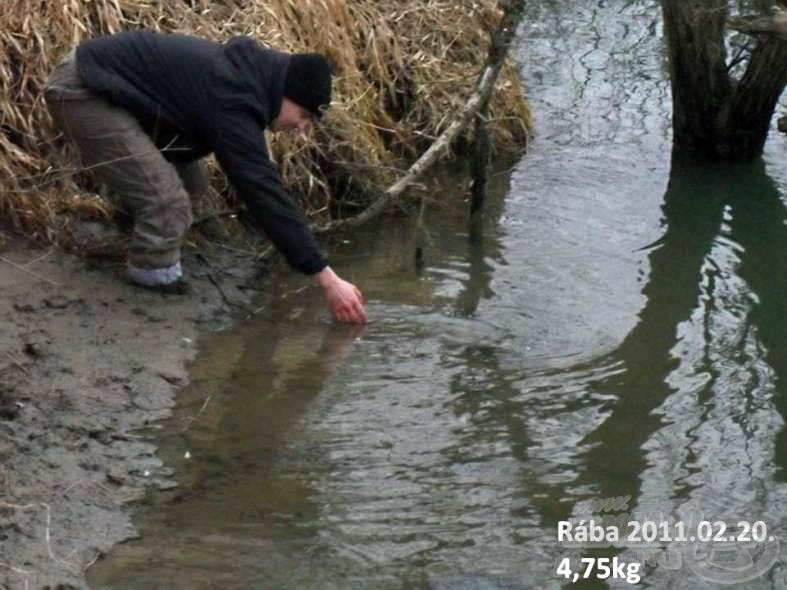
{"x":343,"y":298}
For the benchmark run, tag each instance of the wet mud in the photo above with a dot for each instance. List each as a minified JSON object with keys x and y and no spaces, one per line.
{"x":87,"y":363}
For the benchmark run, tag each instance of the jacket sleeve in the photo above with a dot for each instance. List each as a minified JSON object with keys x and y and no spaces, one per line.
{"x":240,"y":148}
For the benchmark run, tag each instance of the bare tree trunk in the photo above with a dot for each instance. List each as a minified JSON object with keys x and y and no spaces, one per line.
{"x":714,"y":115}
{"x":698,"y":71}
{"x":747,"y":118}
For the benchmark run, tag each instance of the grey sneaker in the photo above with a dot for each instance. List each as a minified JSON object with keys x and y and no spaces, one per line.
{"x":166,"y":280}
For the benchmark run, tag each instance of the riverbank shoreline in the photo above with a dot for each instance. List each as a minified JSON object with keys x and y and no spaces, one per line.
{"x":88,"y":361}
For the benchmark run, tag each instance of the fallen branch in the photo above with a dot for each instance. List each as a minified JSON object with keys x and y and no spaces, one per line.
{"x":501,"y":42}
{"x":17,"y":363}
{"x":189,"y":420}
{"x":70,"y":566}
{"x":774,"y":25}
{"x":30,"y":272}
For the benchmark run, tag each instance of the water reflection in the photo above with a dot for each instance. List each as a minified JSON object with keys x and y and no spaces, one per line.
{"x":717,"y":444}
{"x":614,"y":328}
{"x":758,"y":226}
{"x":693,"y":209}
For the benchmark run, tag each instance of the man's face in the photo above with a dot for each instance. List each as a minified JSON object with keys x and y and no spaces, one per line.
{"x":292,"y":117}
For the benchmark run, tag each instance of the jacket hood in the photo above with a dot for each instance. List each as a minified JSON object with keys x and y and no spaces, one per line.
{"x":261,"y":70}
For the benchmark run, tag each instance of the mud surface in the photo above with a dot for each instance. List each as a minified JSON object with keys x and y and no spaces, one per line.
{"x":86,"y":363}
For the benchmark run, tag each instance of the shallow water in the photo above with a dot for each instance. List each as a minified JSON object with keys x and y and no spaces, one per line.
{"x":616,"y":328}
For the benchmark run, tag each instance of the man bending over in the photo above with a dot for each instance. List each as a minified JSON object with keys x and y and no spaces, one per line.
{"x":144,"y":107}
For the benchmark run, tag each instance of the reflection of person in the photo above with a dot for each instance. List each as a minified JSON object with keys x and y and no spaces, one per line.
{"x":144,"y":107}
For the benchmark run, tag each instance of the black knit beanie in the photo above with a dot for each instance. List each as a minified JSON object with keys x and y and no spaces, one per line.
{"x":309,"y":81}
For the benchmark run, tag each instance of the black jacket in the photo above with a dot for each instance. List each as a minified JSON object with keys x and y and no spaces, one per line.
{"x":194,"y":97}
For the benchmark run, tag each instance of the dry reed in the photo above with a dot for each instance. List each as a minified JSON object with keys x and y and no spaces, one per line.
{"x":404,"y":69}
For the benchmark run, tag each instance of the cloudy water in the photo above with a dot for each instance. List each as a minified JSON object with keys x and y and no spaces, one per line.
{"x":615,"y":330}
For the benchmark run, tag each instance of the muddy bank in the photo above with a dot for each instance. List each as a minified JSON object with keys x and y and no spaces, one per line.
{"x":86,"y":361}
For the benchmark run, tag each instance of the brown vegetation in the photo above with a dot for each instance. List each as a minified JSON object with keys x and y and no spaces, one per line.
{"x":404,"y":69}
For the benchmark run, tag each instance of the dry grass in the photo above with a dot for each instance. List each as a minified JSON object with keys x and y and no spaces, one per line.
{"x":403,"y":70}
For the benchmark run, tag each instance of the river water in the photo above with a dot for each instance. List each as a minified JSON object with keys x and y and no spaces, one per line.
{"x":616,"y":329}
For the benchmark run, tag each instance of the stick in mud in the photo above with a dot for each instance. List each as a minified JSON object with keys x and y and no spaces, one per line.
{"x":30,"y":272}
{"x":479,"y":165}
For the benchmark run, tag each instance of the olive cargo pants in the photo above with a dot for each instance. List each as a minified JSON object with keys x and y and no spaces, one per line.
{"x":144,"y":185}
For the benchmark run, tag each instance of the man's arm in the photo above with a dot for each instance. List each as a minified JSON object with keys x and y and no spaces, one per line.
{"x":242,"y":153}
